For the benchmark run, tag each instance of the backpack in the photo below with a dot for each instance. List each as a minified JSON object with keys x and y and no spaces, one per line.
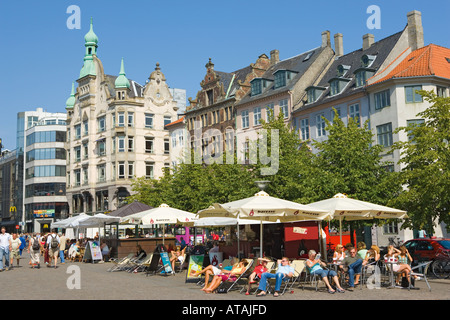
{"x":54,"y":243}
{"x":36,"y":245}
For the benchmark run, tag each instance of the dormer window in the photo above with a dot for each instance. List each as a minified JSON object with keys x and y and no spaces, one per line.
{"x":342,"y":70}
{"x":337,"y":85}
{"x":361,"y":76}
{"x":314,"y":93}
{"x":256,"y":86}
{"x":367,"y":60}
{"x":259,"y":84}
{"x":282,"y":77}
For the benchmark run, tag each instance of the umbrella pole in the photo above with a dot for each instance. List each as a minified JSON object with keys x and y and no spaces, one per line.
{"x":238,"y":238}
{"x":261,"y":239}
{"x":340,"y":230}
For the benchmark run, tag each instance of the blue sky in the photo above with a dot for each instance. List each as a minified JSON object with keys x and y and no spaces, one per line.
{"x":40,"y":56}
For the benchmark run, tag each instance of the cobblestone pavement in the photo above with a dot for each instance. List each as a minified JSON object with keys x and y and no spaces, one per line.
{"x":96,"y":283}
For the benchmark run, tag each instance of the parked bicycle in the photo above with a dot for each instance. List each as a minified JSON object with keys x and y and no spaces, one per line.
{"x":395,"y":241}
{"x":441,"y":265}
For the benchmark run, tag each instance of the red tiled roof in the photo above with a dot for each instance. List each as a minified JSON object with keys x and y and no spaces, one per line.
{"x":431,"y":60}
{"x":175,"y":122}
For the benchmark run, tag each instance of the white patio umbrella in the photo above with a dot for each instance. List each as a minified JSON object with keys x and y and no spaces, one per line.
{"x":160,"y":215}
{"x":342,"y":207}
{"x":97,"y":221}
{"x":222,"y":221}
{"x":69,"y":222}
{"x":263,"y":207}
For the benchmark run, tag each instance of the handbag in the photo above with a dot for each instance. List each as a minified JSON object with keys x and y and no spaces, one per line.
{"x":405,"y":283}
{"x":222,"y":290}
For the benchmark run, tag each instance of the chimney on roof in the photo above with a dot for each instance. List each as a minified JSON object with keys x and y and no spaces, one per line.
{"x":339,"y":44}
{"x":274,"y":56}
{"x":326,"y":40}
{"x":368,"y":40}
{"x":415,"y":30}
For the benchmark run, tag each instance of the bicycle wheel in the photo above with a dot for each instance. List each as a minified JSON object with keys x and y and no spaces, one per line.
{"x":441,"y":269}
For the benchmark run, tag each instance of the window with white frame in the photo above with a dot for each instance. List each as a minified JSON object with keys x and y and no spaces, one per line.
{"x":320,"y":124}
{"x":257,"y":116}
{"x":167,"y":120}
{"x":78,"y":131}
{"x":121,"y":170}
{"x":130,"y":169}
{"x":149,"y":144}
{"x":131,"y":119}
{"x":284,"y":107}
{"x":121,"y":143}
{"x":101,"y":124}
{"x":304,"y":129}
{"x":101,"y":173}
{"x":353,"y":112}
{"x":130,"y":144}
{"x":121,"y":119}
{"x":101,"y":147}
{"x":245,"y":119}
{"x":149,"y":170}
{"x":77,"y":154}
{"x":149,"y":120}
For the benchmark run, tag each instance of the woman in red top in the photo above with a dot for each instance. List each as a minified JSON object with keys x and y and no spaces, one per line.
{"x":256,"y":274}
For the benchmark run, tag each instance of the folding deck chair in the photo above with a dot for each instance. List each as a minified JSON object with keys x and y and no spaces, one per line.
{"x":130,"y":263}
{"x":117,"y":263}
{"x":285,"y":282}
{"x":140,"y":265}
{"x":238,"y":281}
{"x":299,"y":266}
{"x":270,"y":265}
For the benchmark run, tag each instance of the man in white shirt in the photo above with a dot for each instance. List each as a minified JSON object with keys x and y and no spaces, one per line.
{"x":5,"y":247}
{"x":53,"y":242}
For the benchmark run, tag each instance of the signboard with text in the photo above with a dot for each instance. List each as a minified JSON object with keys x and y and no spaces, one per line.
{"x":48,"y":213}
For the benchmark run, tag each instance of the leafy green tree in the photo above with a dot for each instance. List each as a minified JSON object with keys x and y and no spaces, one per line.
{"x":349,"y":162}
{"x":425,"y":160}
{"x":352,"y":164}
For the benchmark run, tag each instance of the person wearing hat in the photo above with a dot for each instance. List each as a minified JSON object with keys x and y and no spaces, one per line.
{"x":257,"y":272}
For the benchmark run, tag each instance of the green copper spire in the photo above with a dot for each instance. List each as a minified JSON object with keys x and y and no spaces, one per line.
{"x":91,"y":37}
{"x":91,"y":41}
{"x":122,"y":81}
{"x":70,"y":102}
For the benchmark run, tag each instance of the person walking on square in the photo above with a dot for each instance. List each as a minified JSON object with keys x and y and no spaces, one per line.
{"x":34,"y":248}
{"x":53,"y":246}
{"x":15,"y":248}
{"x":5,"y":246}
{"x":62,"y":247}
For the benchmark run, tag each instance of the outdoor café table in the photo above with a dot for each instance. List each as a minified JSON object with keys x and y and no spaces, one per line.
{"x":390,"y":265}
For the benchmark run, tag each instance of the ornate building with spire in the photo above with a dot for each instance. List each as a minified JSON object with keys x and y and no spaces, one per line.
{"x":115,"y":133}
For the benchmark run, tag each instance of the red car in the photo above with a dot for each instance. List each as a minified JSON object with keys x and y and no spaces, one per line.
{"x":436,"y":250}
{"x":425,"y":249}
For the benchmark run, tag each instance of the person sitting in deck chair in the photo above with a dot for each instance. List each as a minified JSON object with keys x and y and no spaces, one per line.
{"x":284,"y":271}
{"x":227,"y":275}
{"x":177,"y":255}
{"x":257,"y":272}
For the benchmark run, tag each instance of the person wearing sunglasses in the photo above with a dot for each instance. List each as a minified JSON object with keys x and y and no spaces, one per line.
{"x":284,"y":271}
